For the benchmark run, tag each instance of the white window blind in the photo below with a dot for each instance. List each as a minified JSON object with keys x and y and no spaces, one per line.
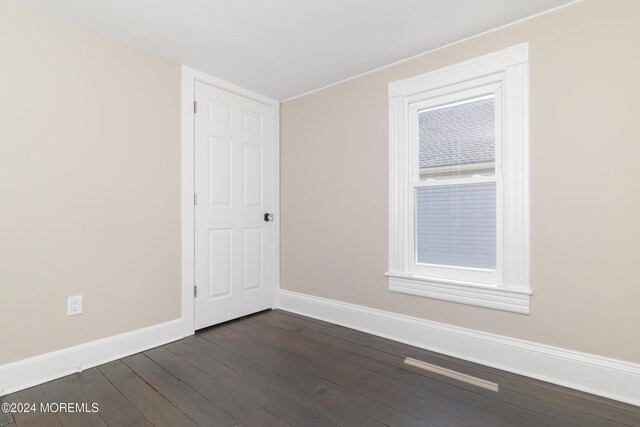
{"x":456,"y":225}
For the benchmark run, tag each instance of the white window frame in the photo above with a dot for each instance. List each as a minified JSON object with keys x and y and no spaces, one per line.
{"x":506,"y":74}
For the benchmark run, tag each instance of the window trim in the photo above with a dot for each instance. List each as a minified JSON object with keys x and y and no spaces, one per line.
{"x":508,"y":290}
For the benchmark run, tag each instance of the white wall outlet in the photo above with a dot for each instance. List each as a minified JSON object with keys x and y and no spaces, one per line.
{"x":74,"y":305}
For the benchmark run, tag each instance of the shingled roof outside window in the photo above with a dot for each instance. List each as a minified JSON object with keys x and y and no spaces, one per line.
{"x":457,"y":134}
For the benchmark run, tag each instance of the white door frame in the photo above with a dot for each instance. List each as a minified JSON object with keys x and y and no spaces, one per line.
{"x":189,"y":77}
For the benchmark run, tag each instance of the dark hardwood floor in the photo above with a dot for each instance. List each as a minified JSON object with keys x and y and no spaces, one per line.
{"x":280,"y":369}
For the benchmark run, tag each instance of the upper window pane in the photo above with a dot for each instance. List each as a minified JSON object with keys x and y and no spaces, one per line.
{"x":457,"y":139}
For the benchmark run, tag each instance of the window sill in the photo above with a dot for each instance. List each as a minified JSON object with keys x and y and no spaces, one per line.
{"x":498,"y":298}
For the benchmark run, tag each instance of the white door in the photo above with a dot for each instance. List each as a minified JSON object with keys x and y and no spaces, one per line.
{"x":234,"y":179}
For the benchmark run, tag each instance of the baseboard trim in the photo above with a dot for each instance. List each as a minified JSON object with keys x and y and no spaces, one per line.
{"x":610,"y":378}
{"x":36,"y":370}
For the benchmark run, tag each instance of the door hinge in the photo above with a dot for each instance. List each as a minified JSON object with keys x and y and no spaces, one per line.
{"x":195,"y":107}
{"x":195,"y":198}
{"x":195,"y":292}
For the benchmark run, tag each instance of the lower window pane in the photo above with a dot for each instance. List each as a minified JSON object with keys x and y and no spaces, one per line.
{"x":456,"y":225}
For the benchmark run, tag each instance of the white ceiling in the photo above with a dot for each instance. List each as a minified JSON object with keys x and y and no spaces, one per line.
{"x":283,"y":48}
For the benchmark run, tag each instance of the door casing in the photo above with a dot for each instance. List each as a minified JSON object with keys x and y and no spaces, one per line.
{"x":189,"y":77}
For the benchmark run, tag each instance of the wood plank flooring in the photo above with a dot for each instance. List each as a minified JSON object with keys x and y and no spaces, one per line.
{"x":276,"y":368}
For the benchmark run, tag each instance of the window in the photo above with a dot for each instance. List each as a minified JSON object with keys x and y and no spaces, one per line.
{"x":459,"y":183}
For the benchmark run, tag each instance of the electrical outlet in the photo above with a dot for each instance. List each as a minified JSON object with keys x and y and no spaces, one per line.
{"x":74,"y":305}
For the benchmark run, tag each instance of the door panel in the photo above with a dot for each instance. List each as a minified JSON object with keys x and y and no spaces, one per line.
{"x":252,"y":168}
{"x":252,"y":258}
{"x":234,"y":146}
{"x":219,"y":263}
{"x":220,"y":171}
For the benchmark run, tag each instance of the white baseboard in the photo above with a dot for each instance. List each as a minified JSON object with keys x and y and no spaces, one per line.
{"x":614,"y":379}
{"x":36,"y":370}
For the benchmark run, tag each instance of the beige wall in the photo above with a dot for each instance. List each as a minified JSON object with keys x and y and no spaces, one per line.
{"x":585,"y":191}
{"x":89,"y":185}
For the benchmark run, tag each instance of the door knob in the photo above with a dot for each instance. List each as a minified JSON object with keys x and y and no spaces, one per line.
{"x":268,"y":217}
